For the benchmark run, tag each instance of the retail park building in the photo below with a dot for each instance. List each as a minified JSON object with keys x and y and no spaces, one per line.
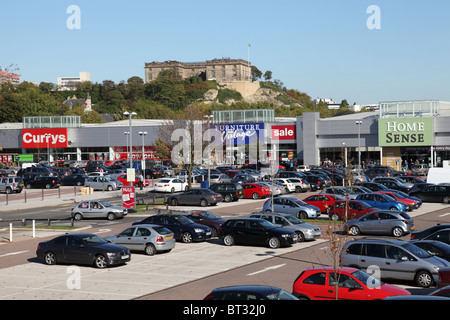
{"x":398,"y":131}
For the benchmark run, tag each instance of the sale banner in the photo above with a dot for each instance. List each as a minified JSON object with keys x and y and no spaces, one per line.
{"x":128,"y":197}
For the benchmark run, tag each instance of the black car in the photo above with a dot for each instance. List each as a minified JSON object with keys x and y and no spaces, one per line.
{"x":435,"y":248}
{"x":433,"y":193}
{"x":74,"y":180}
{"x":393,"y":184}
{"x":373,"y":186}
{"x":83,"y":249}
{"x":249,"y":293}
{"x":184,"y":229}
{"x":442,"y":235}
{"x":200,"y":196}
{"x":243,"y":178}
{"x":418,"y":235}
{"x":152,"y":173}
{"x":315,"y":181}
{"x":253,"y":231}
{"x":44,"y":182}
{"x":207,"y":218}
{"x":229,"y":191}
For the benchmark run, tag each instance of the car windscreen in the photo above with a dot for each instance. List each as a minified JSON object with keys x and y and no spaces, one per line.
{"x":367,"y":279}
{"x":183,"y":220}
{"x":293,"y":219}
{"x":208,"y":215}
{"x":415,"y":250}
{"x":105,"y":203}
{"x":267,"y":225}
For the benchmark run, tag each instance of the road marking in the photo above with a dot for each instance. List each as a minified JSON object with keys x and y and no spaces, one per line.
{"x":445,"y":214}
{"x":13,"y":253}
{"x":267,"y":269}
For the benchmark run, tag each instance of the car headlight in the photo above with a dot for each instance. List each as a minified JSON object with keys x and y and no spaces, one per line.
{"x":198,"y":230}
{"x":286,"y":235}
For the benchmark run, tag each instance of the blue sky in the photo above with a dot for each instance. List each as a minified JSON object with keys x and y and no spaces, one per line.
{"x":322,"y":48}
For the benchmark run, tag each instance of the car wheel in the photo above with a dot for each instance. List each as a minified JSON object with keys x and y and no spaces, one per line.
{"x":111,"y":216}
{"x":300,"y":236}
{"x":446,"y":200}
{"x":256,"y":196}
{"x":228,"y":240}
{"x":78,"y":216}
{"x":186,"y":237}
{"x":47,"y":186}
{"x":203,"y":202}
{"x":172,"y":190}
{"x":214,"y":232}
{"x":100,"y":262}
{"x":50,"y":258}
{"x":298,"y":189}
{"x":335,"y":217}
{"x":174,"y":202}
{"x":354,"y":231}
{"x":8,"y":191}
{"x":393,"y":208}
{"x":424,"y":279}
{"x":78,"y":183}
{"x":110,"y":188}
{"x":28,"y":186}
{"x":227,"y":198}
{"x":274,"y":243}
{"x":302,"y":215}
{"x":150,"y":249}
{"x":397,"y":232}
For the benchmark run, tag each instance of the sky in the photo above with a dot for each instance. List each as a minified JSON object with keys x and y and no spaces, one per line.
{"x":325,"y":48}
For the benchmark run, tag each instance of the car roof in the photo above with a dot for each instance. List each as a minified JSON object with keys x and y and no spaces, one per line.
{"x":331,"y":268}
{"x":260,"y":288}
{"x":272,"y":213}
{"x":381,"y":241}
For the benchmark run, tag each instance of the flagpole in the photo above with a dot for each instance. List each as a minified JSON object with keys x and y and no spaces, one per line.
{"x":248,"y":62}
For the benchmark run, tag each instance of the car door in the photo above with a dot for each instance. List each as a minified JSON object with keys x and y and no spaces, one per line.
{"x":125,"y":238}
{"x":370,"y":223}
{"x":96,"y":209}
{"x":76,"y":251}
{"x":186,"y":197}
{"x":398,"y":264}
{"x":255,"y":233}
{"x":348,"y":287}
{"x":140,"y":238}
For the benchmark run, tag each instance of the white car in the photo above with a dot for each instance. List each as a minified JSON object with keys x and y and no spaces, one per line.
{"x":171,"y":185}
{"x":288,"y":184}
{"x":300,"y":185}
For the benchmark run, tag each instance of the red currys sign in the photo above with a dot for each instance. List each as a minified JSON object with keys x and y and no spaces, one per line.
{"x":43,"y":138}
{"x":283,"y":132}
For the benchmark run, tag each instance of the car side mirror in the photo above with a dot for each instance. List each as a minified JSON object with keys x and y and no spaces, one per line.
{"x":404,"y":258}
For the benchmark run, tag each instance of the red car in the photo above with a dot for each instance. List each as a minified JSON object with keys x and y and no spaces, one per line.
{"x":123,"y":178}
{"x":321,"y":201}
{"x":255,"y":190}
{"x":410,"y":204}
{"x":353,"y":284}
{"x":444,"y":277}
{"x":355,"y":209}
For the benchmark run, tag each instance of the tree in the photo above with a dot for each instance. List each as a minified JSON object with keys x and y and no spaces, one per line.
{"x":268,"y":75}
{"x":256,"y":73}
{"x":344,"y":104}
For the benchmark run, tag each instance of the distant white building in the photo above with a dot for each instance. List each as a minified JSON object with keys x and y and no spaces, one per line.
{"x":69,"y":83}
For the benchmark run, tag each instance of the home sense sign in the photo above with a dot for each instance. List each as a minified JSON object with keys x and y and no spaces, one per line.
{"x":405,"y":132}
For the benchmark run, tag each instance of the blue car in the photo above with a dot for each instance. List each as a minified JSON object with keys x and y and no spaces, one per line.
{"x":381,"y":201}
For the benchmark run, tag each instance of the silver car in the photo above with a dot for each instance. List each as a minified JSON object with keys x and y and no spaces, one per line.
{"x":97,"y":209}
{"x":292,"y":206}
{"x":304,"y":231}
{"x":149,"y":238}
{"x":101,"y":183}
{"x":388,"y":222}
{"x":393,"y":259}
{"x":340,"y":192}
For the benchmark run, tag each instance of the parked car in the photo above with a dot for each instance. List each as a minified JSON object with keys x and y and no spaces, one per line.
{"x":219,"y":178}
{"x":316,"y":182}
{"x":255,"y":232}
{"x":340,"y":192}
{"x":83,"y":249}
{"x":357,"y":177}
{"x":411,"y":179}
{"x":442,"y":235}
{"x":300,"y":184}
{"x":231,"y":172}
{"x":319,"y":283}
{"x":255,"y":190}
{"x":229,"y":191}
{"x":373,"y":186}
{"x":420,"y":169}
{"x":395,"y":223}
{"x":206,"y":218}
{"x":275,"y":188}
{"x":434,"y":248}
{"x":184,"y":229}
{"x":356,"y":209}
{"x":433,"y":193}
{"x":152,"y":173}
{"x":441,"y":292}
{"x":379,"y":172}
{"x":101,"y":183}
{"x":443,"y":277}
{"x":123,"y":178}
{"x":243,"y":178}
{"x":293,"y":206}
{"x":253,"y":293}
{"x":321,"y":201}
{"x":358,"y":189}
{"x":10,"y":185}
{"x":411,"y":262}
{"x":290,"y":187}
{"x":46,"y":182}
{"x":421,"y":234}
{"x":171,"y":185}
{"x":409,"y":203}
{"x":304,"y":231}
{"x":393,"y":183}
{"x":199,"y":196}
{"x":145,"y":237}
{"x":74,"y":180}
{"x":97,"y":209}
{"x":381,"y":201}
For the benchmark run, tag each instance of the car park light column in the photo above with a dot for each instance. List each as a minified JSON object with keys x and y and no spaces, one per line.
{"x":130,"y":115}
{"x":47,"y":136}
{"x":143,"y":134}
{"x":359,"y":124}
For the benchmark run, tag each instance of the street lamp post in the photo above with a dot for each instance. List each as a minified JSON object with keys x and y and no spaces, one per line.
{"x":126,"y":133}
{"x":209,"y":118}
{"x":48,"y":135}
{"x":130,"y":115}
{"x":359,"y":123}
{"x":143,"y":134}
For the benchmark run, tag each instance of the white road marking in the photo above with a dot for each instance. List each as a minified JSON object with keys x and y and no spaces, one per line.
{"x":267,"y":269}
{"x":445,"y":214}
{"x":13,"y":253}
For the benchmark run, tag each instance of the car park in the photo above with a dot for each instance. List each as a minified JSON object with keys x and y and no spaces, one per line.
{"x":293,"y":206}
{"x":171,"y":185}
{"x":381,"y":201}
{"x":434,"y":248}
{"x":82,"y":249}
{"x":255,"y":232}
{"x":97,"y":209}
{"x":199,"y":196}
{"x":249,"y":293}
{"x":148,"y":238}
{"x":206,"y":218}
{"x":184,"y":229}
{"x":396,"y":259}
{"x":409,"y":203}
{"x":255,"y":190}
{"x":321,"y":283}
{"x":46,"y":182}
{"x":321,"y":201}
{"x":433,"y":193}
{"x":355,"y":209}
{"x":304,"y":231}
{"x":10,"y":185}
{"x":74,"y":180}
{"x":395,"y":223}
{"x":421,"y":234}
{"x":229,"y":191}
{"x":101,"y":183}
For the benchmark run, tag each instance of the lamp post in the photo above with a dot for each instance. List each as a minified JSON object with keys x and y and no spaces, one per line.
{"x":143,"y":134}
{"x":130,"y":115}
{"x":48,"y":135}
{"x":126,"y":133}
{"x":209,"y":119}
{"x":359,"y":123}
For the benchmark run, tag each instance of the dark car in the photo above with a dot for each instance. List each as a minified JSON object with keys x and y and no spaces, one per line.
{"x":433,"y":193}
{"x":380,"y":172}
{"x":229,"y":191}
{"x":46,"y":182}
{"x":373,"y":186}
{"x":435,"y":248}
{"x":183,"y":228}
{"x":315,"y":181}
{"x":83,"y":249}
{"x":152,"y":173}
{"x":442,"y":235}
{"x":200,"y":196}
{"x":249,"y":293}
{"x":392,"y":183}
{"x":417,"y":235}
{"x":207,"y":218}
{"x":243,"y":178}
{"x":74,"y":180}
{"x":253,"y":231}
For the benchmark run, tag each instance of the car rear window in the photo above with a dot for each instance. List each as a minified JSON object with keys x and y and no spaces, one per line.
{"x":162,"y":230}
